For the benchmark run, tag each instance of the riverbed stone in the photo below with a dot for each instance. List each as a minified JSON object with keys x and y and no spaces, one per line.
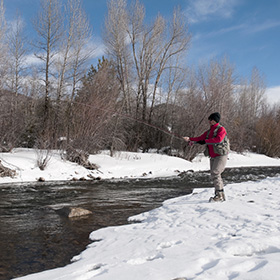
{"x":77,"y":212}
{"x":73,"y":212}
{"x":41,"y":179}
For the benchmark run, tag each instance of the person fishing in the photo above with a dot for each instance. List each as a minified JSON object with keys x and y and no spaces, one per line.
{"x":217,"y":148}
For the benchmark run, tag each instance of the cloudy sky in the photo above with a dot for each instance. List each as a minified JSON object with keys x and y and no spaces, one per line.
{"x":247,"y":32}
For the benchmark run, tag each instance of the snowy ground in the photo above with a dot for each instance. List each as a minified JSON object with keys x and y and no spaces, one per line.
{"x":122,"y":165}
{"x":187,"y":237}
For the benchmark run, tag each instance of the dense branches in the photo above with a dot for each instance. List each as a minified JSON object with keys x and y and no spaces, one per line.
{"x":142,"y":53}
{"x":142,"y":96}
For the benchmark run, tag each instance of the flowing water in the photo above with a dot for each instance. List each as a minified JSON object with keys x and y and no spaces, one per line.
{"x":34,"y":236}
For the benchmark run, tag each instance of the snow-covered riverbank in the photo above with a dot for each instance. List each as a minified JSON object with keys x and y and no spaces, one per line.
{"x":122,"y":165}
{"x":191,"y":238}
{"x":187,"y":237}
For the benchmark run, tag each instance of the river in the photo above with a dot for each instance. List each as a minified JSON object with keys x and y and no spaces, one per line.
{"x":34,"y":236}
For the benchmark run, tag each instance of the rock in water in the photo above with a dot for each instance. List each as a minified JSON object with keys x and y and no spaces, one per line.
{"x":78,"y":212}
{"x":73,"y":212}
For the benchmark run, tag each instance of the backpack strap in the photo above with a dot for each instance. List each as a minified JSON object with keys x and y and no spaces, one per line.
{"x":215,"y":131}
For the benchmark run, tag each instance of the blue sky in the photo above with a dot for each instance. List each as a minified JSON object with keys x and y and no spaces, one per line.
{"x":247,"y":32}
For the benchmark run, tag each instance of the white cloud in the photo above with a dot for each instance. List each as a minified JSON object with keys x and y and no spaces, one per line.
{"x":226,"y":30}
{"x":31,"y":59}
{"x":201,"y":10}
{"x":273,"y":95}
{"x":16,"y":25}
{"x":97,"y":47}
{"x":263,"y":26}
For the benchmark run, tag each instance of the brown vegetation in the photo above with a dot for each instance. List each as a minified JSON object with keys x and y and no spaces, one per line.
{"x":139,"y":97}
{"x":6,"y":172}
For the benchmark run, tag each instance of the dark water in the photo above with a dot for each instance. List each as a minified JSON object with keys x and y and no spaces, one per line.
{"x":35,"y":237}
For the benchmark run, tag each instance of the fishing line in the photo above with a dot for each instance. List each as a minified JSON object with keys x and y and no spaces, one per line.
{"x":131,"y":118}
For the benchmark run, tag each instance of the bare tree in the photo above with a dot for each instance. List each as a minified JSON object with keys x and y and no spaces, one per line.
{"x":175,"y":42}
{"x":12,"y":118}
{"x":94,"y":108}
{"x":250,"y":101}
{"x":3,"y":45}
{"x":142,"y":53}
{"x":216,"y":83}
{"x":116,"y":26}
{"x":17,"y":51}
{"x":79,"y":35}
{"x":74,"y":53}
{"x":48,"y":25}
{"x":153,"y":49}
{"x":80,"y":52}
{"x":69,"y":64}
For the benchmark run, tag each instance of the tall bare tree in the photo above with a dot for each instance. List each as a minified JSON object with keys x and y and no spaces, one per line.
{"x":116,"y":26}
{"x":48,"y":25}
{"x":17,"y":51}
{"x":175,"y":42}
{"x":3,"y":45}
{"x":216,"y":83}
{"x":143,"y":52}
{"x":79,"y":53}
{"x":74,"y":52}
{"x":69,"y":63}
{"x":250,"y":101}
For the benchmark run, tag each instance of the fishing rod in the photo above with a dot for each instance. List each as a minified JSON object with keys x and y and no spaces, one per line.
{"x":132,"y":118}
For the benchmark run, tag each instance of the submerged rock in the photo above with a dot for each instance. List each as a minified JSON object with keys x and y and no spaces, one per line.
{"x":73,"y":212}
{"x":77,"y":212}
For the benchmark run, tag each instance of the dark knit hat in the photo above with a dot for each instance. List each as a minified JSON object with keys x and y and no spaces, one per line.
{"x":215,"y":117}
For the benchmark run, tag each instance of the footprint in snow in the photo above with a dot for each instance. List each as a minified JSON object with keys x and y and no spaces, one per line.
{"x":168,"y":244}
{"x":139,"y":261}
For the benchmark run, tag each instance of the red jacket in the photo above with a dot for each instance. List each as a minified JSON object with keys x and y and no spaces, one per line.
{"x":221,"y":133}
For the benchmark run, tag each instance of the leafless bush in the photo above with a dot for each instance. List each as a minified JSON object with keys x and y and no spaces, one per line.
{"x":80,"y":157}
{"x":43,"y":153}
{"x":268,"y":134}
{"x":6,"y":172}
{"x":43,"y":158}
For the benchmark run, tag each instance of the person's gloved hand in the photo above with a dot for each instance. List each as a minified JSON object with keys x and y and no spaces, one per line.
{"x":201,"y":142}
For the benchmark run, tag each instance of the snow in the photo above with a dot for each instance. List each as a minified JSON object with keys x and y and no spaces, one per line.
{"x":122,"y":165}
{"x":185,"y":238}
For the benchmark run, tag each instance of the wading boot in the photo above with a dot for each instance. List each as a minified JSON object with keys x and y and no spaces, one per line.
{"x":219,"y":196}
